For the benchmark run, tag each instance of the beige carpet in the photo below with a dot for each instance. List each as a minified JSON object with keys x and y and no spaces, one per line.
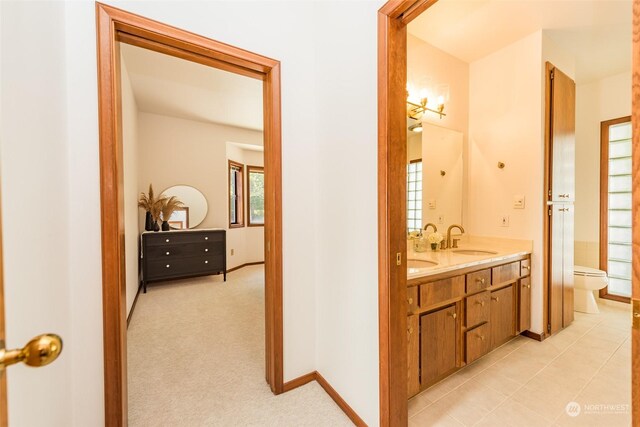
{"x":196,"y":358}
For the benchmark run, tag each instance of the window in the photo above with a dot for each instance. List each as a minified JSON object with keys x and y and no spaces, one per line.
{"x":615,"y":207}
{"x":414,"y":195}
{"x":236,"y":202}
{"x":255,"y":196}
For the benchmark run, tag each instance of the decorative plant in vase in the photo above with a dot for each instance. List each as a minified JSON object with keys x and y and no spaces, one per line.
{"x":434,"y":239}
{"x":146,"y":202}
{"x":169,"y":205}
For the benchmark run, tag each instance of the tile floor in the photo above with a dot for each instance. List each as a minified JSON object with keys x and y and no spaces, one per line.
{"x":531,"y":383}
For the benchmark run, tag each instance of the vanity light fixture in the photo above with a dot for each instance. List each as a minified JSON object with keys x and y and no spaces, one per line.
{"x":416,"y":128}
{"x":417,"y":111}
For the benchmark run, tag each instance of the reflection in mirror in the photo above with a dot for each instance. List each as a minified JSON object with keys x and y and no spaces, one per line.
{"x":194,"y":208}
{"x":435,"y":177}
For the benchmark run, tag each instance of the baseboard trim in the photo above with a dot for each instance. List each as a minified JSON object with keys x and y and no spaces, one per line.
{"x":340,"y":401}
{"x":299,"y":382}
{"x":247,"y":264}
{"x":133,"y":306}
{"x":342,"y":404}
{"x":534,"y":335}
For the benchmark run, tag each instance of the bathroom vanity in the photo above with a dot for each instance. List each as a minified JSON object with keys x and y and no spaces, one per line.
{"x":462,"y":308}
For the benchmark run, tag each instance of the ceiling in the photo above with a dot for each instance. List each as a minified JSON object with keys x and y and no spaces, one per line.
{"x":170,"y":86}
{"x":597,"y":32}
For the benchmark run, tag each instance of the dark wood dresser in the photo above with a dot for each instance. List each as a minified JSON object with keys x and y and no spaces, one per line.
{"x":167,"y":255}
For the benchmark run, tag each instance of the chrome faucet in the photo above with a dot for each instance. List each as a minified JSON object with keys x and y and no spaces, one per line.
{"x":430,"y":224}
{"x":452,"y":226}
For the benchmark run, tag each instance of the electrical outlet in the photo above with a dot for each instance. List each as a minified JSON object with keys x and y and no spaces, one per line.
{"x":504,"y":221}
{"x":441,"y":219}
{"x":518,"y":202}
{"x":432,"y":203}
{"x":232,"y":252}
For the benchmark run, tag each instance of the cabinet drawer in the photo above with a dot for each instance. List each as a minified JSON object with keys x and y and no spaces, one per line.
{"x":441,"y":290}
{"x":171,"y":238}
{"x":412,"y":299}
{"x":478,"y":342}
{"x":478,"y":280}
{"x":159,"y":269}
{"x":478,"y":308}
{"x":505,"y":273}
{"x":171,"y":251}
{"x":525,"y":267}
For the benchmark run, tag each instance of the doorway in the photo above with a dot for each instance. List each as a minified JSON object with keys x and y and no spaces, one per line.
{"x":392,"y":34}
{"x":113,"y":27}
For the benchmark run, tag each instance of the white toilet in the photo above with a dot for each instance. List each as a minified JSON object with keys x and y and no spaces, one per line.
{"x":587,"y":280}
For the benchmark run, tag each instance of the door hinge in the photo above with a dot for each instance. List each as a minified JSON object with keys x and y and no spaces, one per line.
{"x":636,"y":314}
{"x":398,"y":258}
{"x":549,"y":328}
{"x":549,"y":211}
{"x":549,"y":193}
{"x":552,"y":73}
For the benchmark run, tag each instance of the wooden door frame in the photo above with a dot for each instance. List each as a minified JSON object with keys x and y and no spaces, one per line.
{"x":114,"y":26}
{"x":393,"y":18}
{"x":604,"y":204}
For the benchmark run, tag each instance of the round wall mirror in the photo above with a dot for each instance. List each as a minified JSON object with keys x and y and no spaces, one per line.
{"x":194,"y":208}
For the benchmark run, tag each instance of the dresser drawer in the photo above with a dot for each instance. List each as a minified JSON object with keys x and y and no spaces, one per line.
{"x":441,"y":290}
{"x":505,"y":273}
{"x":478,"y":308}
{"x":478,"y":280}
{"x":159,"y":269}
{"x":171,"y":238}
{"x":171,"y":251}
{"x":478,"y":342}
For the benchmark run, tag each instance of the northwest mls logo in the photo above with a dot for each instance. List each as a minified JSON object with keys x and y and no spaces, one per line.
{"x":573,"y":409}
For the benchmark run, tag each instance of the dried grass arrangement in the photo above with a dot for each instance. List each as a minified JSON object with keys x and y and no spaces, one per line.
{"x":153,"y":207}
{"x":169,"y":206}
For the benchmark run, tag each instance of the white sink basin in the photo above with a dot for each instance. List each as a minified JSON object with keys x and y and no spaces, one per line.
{"x":420,"y":263}
{"x":473,"y":252}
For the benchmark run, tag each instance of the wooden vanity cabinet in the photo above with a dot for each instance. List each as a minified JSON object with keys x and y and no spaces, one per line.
{"x":454,"y":319}
{"x":438,"y":343}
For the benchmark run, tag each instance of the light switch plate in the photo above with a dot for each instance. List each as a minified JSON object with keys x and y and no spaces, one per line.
{"x":518,"y":201}
{"x":504,"y":221}
{"x":432,"y":203}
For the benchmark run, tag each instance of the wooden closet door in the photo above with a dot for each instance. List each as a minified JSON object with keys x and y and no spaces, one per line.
{"x":567,"y":265}
{"x":563,"y":136}
{"x":556,"y":265}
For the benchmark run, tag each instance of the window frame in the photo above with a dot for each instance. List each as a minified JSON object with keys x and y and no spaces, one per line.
{"x":257,"y":169}
{"x":604,"y":204}
{"x":239,"y":205}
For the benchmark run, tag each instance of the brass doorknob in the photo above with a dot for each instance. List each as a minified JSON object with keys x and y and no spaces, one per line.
{"x":40,"y":351}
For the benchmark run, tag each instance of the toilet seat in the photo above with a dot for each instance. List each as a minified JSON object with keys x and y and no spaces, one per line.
{"x":580,"y":270}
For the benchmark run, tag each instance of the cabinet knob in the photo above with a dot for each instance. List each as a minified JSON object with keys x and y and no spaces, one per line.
{"x":453,"y":314}
{"x":480,"y":280}
{"x":206,"y":262}
{"x":496,"y":299}
{"x":410,"y":300}
{"x":528,"y":286}
{"x":167,"y":253}
{"x":206,"y":238}
{"x":481,"y":303}
{"x":409,"y":331}
{"x":526,"y":267}
{"x":168,"y":266}
{"x":481,"y":337}
{"x":206,"y":250}
{"x":167,"y":240}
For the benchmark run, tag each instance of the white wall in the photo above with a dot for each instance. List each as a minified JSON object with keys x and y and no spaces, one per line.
{"x":330,"y":274}
{"x":131,"y":187}
{"x":605,"y":99}
{"x":36,"y":214}
{"x":505,"y":124}
{"x":175,"y":151}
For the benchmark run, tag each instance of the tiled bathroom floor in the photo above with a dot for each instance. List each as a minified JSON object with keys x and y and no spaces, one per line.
{"x":530,"y":383}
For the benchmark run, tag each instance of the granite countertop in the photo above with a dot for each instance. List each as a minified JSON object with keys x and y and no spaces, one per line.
{"x":447,"y":260}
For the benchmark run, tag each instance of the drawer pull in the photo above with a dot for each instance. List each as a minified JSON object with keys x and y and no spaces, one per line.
{"x":206,"y":238}
{"x":206,"y":250}
{"x":454,"y":314}
{"x":528,"y":267}
{"x":481,"y":303}
{"x":410,"y":331}
{"x":167,"y":240}
{"x":167,"y":253}
{"x":481,"y":280}
{"x":410,"y":300}
{"x":206,"y":262}
{"x":496,"y":299}
{"x":481,"y":337}
{"x":168,"y":266}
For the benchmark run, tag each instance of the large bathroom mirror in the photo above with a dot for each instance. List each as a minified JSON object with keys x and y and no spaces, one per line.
{"x":194,"y":208}
{"x":435,"y":177}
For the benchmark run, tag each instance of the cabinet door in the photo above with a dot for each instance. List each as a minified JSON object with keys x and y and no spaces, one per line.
{"x":567,"y":265}
{"x":438,"y":338}
{"x":556,"y":266}
{"x":502,"y":316}
{"x":413,"y":355}
{"x":525,"y":304}
{"x":563,"y":140}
